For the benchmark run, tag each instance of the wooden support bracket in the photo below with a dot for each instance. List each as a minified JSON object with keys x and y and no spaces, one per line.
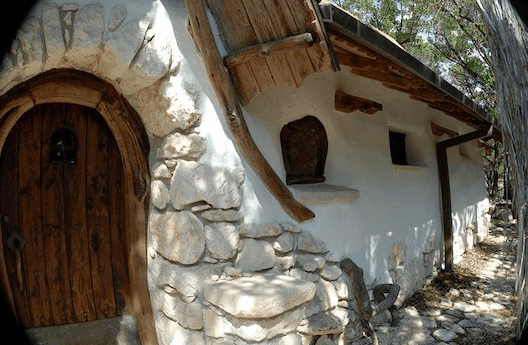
{"x":445,"y":190}
{"x":347,"y":103}
{"x":438,"y":131}
{"x":224,"y":89}
{"x":261,"y":50}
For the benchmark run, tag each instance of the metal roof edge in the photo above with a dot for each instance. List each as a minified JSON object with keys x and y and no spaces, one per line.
{"x":338,"y":20}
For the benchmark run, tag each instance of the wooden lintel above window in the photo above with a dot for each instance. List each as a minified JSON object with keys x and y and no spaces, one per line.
{"x":261,"y":50}
{"x":438,"y":131}
{"x":347,"y":103}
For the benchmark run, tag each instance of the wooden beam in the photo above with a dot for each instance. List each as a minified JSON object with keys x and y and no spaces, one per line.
{"x":483,"y":132}
{"x":261,"y":50}
{"x":445,"y":189}
{"x":223,"y":87}
{"x":347,"y":103}
{"x":438,"y":131}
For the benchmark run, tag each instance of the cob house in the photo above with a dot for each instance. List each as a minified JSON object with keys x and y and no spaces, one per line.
{"x":225,"y":171}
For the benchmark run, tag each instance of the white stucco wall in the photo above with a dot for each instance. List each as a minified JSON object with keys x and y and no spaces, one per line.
{"x":393,"y":207}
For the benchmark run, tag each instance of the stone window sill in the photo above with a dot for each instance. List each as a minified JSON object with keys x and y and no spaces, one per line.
{"x":410,"y":169}
{"x":323,"y":193}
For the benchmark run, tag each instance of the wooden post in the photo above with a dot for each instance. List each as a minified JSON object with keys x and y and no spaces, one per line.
{"x":445,"y":190}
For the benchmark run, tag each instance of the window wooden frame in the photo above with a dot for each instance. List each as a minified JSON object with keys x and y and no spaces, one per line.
{"x":304,"y":149}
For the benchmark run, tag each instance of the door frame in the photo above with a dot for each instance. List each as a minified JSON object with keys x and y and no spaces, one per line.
{"x":81,"y":88}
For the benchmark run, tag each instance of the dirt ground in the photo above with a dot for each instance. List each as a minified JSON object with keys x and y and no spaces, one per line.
{"x":467,"y":284}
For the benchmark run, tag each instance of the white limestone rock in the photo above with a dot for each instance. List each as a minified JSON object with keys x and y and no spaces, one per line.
{"x":301,"y":274}
{"x":286,"y":262}
{"x":188,"y":315}
{"x":30,"y":40}
{"x":161,"y":171}
{"x":255,"y":256}
{"x":221,"y":240}
{"x":289,"y":339}
{"x":256,"y":330}
{"x":326,"y":293}
{"x":217,"y":215}
{"x":170,"y":333}
{"x":306,"y":242}
{"x":159,"y":194}
{"x":213,"y":324}
{"x":341,"y":287}
{"x":283,"y":243}
{"x":121,"y":46}
{"x":180,"y":99}
{"x":331,"y":272}
{"x":179,"y":237}
{"x":88,"y":27}
{"x":257,"y":297}
{"x":321,"y":323}
{"x":291,"y":228}
{"x":260,"y":230}
{"x":444,"y":335}
{"x":192,"y":182}
{"x":260,"y":296}
{"x":186,"y":281}
{"x":310,"y":262}
{"x":179,"y":146}
{"x":53,"y":37}
{"x":117,"y":17}
{"x":154,"y":58}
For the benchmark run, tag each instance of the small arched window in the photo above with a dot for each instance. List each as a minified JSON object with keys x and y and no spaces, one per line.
{"x":304,"y":148}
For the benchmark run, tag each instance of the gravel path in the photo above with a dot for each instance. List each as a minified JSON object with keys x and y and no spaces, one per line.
{"x":473,"y":306}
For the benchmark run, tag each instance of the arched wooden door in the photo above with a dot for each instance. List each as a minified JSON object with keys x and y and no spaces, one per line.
{"x":62,"y":217}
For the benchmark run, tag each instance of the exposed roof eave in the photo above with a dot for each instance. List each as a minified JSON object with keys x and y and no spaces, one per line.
{"x":343,"y":23}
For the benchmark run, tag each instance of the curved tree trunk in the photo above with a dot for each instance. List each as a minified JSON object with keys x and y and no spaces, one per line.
{"x":508,"y":38}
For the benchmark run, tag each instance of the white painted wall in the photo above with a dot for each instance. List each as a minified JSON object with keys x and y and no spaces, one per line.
{"x":393,"y":206}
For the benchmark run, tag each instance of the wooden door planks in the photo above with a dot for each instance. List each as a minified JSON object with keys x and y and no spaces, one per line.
{"x":98,"y":216}
{"x":117,"y":226}
{"x":75,"y":219}
{"x":9,"y":224}
{"x":53,"y":206}
{"x":30,"y":223}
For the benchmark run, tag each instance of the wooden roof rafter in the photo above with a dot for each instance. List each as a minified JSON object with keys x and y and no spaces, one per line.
{"x":347,"y":103}
{"x":229,"y":101}
{"x":267,"y":45}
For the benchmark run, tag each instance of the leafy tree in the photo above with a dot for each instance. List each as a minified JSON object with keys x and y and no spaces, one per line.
{"x":447,"y":35}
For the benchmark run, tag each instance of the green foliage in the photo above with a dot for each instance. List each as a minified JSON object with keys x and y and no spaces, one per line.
{"x":447,"y":35}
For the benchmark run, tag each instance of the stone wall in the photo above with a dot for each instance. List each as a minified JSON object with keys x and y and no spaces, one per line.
{"x":213,"y":277}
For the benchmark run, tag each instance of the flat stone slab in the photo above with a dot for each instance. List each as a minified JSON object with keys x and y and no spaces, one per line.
{"x":259,"y":296}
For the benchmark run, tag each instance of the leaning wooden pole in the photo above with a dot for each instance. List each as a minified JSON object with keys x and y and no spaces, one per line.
{"x":225,"y":91}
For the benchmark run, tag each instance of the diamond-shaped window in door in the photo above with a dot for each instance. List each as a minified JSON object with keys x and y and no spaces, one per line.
{"x":304,"y":149}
